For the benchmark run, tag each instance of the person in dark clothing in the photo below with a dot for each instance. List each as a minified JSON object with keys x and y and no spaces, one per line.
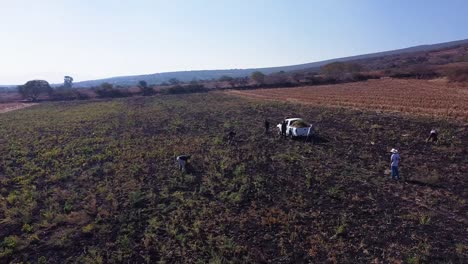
{"x":267,"y":126}
{"x":432,"y":136}
{"x":395,"y":159}
{"x":283,"y":128}
{"x":230,"y":136}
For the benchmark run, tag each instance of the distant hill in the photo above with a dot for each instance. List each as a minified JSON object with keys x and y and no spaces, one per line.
{"x":215,"y":74}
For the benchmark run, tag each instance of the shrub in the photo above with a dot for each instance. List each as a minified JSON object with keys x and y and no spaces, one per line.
{"x":145,"y":89}
{"x":180,"y":89}
{"x":340,"y":69}
{"x":27,"y":228}
{"x":64,"y":94}
{"x":107,"y":90}
{"x":458,"y":74}
{"x":10,"y":242}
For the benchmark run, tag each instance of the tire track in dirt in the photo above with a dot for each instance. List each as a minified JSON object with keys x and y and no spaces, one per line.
{"x":8,"y":107}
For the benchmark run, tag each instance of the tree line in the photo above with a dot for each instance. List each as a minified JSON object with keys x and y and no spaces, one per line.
{"x":332,"y":73}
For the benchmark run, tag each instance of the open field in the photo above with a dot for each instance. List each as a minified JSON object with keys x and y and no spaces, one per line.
{"x":432,"y":98}
{"x":95,"y":182}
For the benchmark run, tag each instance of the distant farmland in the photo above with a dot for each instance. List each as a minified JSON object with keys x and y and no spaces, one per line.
{"x":422,"y":97}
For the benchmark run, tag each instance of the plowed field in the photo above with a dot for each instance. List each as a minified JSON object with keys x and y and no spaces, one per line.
{"x":432,"y":98}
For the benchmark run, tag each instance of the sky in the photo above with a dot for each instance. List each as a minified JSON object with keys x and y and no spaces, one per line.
{"x":91,"y":39}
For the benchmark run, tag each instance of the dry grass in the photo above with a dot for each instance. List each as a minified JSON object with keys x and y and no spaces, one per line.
{"x":438,"y":99}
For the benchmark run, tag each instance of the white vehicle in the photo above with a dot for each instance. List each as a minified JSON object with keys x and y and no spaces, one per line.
{"x":296,"y":127}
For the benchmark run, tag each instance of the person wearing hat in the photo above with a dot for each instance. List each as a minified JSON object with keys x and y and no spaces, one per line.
{"x":182,"y":162}
{"x":395,"y":159}
{"x":432,"y":136}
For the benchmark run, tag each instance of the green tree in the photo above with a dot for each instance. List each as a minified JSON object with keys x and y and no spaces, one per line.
{"x":145,"y":89}
{"x":33,"y":89}
{"x":174,"y":81}
{"x":258,"y":77}
{"x":225,"y":78}
{"x":67,"y":82}
{"x":340,"y":69}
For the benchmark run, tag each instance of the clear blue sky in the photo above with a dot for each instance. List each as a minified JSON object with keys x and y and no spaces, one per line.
{"x":90,"y":39}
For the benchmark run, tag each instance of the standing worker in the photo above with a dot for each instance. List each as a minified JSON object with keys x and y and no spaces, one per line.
{"x":432,"y":136}
{"x":283,"y":128}
{"x":395,"y":159}
{"x":230,"y":136}
{"x":182,"y":162}
{"x":310,"y":131}
{"x":267,"y":126}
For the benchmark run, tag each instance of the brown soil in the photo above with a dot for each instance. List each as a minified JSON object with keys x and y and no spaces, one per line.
{"x":421,"y":97}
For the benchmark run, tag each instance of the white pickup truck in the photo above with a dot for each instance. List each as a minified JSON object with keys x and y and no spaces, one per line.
{"x":296,"y":127}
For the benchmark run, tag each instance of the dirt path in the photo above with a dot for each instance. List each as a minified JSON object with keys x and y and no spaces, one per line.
{"x":7,"y":107}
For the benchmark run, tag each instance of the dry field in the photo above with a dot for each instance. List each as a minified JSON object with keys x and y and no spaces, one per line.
{"x":434,"y":98}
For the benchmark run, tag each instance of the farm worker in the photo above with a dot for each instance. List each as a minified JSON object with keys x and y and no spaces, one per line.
{"x":283,"y":128}
{"x":182,"y":162}
{"x":231,"y":135}
{"x":267,"y":126}
{"x":432,"y":136}
{"x":310,"y":131}
{"x":395,"y":159}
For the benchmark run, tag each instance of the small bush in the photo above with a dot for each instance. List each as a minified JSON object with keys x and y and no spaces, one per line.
{"x":63,"y":94}
{"x":182,"y":89}
{"x":10,"y":242}
{"x":107,"y":90}
{"x":458,"y":74}
{"x":27,"y":228}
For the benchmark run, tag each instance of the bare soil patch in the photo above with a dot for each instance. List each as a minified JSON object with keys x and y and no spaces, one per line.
{"x":7,"y":107}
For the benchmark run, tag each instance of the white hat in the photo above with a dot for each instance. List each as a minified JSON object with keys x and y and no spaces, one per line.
{"x":394,"y":150}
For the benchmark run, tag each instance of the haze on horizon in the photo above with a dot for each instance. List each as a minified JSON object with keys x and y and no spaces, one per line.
{"x":96,"y":39}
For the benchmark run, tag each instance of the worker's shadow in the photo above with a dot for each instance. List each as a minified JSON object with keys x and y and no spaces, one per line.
{"x":193,"y":170}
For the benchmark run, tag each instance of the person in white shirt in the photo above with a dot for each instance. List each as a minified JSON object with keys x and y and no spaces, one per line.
{"x":395,"y":159}
{"x":182,"y":162}
{"x":432,"y":136}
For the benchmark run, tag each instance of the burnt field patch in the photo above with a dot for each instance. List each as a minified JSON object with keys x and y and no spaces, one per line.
{"x":97,"y":182}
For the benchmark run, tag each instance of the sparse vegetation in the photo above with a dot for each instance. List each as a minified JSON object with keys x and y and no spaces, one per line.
{"x":95,"y":182}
